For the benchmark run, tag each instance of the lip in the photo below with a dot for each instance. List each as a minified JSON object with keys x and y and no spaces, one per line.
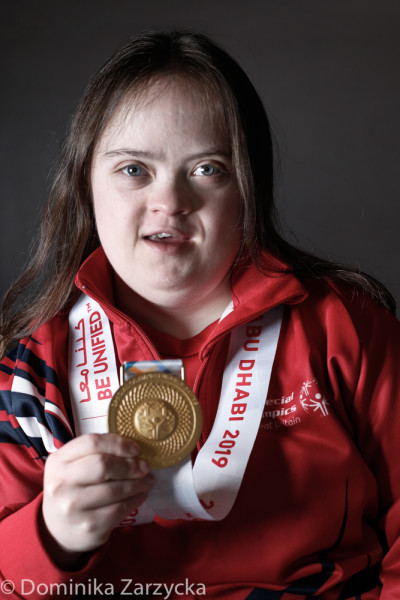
{"x":173,"y":236}
{"x":170,"y":247}
{"x":178,"y":242}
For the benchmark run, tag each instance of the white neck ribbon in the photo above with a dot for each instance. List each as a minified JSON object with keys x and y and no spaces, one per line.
{"x":208,"y":489}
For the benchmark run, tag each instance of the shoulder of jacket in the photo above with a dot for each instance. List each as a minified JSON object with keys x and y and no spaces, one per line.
{"x":345,"y":305}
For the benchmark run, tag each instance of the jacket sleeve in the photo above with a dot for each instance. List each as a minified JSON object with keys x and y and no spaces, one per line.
{"x":375,"y":414}
{"x":33,"y":422}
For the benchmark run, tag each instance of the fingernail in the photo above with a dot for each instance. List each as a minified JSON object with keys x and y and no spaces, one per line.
{"x":143,"y":467}
{"x":133,"y":449}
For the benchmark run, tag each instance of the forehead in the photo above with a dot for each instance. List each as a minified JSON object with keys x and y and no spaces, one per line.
{"x":170,"y":106}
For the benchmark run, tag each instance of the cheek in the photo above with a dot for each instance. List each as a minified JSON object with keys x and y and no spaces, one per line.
{"x":227,"y":221}
{"x":225,"y":237}
{"x":102,"y":220}
{"x":99,"y":195}
{"x":115,"y":215}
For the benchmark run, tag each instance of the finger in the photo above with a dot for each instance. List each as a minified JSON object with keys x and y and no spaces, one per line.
{"x":112,"y":493}
{"x":98,"y":468}
{"x":97,"y":443}
{"x":93,"y":527}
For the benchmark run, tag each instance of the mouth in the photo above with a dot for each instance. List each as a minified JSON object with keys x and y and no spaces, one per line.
{"x":158,"y":237}
{"x":167,"y":237}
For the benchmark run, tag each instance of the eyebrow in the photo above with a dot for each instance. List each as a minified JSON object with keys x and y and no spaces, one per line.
{"x":132,"y":152}
{"x":154,"y":156}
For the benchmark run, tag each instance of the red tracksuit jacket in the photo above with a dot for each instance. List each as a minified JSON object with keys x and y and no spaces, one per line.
{"x":318,"y":511}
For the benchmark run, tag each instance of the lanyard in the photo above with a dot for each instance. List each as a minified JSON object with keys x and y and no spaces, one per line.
{"x":208,"y":489}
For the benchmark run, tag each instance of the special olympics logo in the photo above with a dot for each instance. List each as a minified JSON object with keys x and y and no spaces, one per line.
{"x":155,"y":420}
{"x":312,"y":400}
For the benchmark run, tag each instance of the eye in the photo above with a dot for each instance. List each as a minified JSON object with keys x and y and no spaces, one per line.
{"x":134,"y":170}
{"x":206,"y":170}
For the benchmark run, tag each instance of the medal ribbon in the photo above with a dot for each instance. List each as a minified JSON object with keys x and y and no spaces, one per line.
{"x":208,"y":489}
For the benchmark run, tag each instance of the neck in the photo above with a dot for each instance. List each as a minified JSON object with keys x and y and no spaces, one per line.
{"x":182,"y":322}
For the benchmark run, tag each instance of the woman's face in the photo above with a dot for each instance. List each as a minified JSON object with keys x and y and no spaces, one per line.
{"x":166,"y":199}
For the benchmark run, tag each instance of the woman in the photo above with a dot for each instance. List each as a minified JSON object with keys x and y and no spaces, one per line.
{"x":162,"y":215}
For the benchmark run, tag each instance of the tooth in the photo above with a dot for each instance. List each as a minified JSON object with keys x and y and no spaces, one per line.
{"x":159,"y":236}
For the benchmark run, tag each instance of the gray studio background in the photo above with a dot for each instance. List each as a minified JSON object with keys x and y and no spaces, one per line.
{"x":327,"y":70}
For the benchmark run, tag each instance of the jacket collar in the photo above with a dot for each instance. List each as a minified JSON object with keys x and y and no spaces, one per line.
{"x":254,"y":292}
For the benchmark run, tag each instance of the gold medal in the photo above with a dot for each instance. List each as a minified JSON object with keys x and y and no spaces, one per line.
{"x":161,"y":413}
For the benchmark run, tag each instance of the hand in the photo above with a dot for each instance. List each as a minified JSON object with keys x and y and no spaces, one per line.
{"x":90,"y":485}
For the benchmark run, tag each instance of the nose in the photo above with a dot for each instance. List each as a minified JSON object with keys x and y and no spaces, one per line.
{"x":172,"y":197}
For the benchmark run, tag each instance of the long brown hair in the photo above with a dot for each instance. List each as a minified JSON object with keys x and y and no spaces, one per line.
{"x":68,"y":233}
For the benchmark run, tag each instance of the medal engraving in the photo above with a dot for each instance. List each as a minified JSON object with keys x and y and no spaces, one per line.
{"x":161,"y":413}
{"x":155,"y":420}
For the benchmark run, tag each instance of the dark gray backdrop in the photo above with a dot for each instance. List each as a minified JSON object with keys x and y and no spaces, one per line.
{"x":327,"y":70}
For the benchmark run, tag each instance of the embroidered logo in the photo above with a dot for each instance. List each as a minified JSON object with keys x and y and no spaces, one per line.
{"x":312,"y":400}
{"x":285,"y":411}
